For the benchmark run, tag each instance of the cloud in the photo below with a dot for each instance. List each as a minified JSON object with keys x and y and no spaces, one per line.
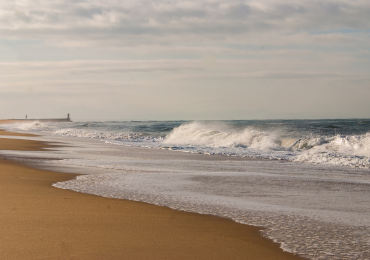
{"x":117,"y":75}
{"x":162,"y":89}
{"x":175,"y":22}
{"x":164,"y":55}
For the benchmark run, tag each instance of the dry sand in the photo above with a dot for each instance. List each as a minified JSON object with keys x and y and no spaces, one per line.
{"x":39,"y":221}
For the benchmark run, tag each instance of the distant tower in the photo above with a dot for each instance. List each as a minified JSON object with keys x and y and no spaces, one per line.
{"x":26,"y":116}
{"x":68,"y":116}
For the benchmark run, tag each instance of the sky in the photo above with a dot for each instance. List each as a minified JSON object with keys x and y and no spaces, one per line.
{"x":185,"y":60}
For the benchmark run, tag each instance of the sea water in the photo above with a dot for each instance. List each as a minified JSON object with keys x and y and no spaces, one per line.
{"x":306,"y":181}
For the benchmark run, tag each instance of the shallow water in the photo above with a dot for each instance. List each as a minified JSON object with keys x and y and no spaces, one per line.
{"x":320,"y":211}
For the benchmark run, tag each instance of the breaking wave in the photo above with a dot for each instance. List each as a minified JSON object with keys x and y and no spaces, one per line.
{"x":271,"y":140}
{"x":97,"y":135}
{"x":342,"y":150}
{"x":198,"y":134}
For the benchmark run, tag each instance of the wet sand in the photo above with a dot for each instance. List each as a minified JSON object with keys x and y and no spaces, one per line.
{"x":39,"y":221}
{"x":22,"y":145}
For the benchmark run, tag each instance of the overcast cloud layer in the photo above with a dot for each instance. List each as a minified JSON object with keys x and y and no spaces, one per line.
{"x":185,"y":59}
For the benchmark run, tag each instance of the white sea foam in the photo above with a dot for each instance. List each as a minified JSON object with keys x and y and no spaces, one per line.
{"x":224,"y":139}
{"x":318,"y":211}
{"x":31,"y":127}
{"x":198,"y":134}
{"x":319,"y":215}
{"x":97,"y":135}
{"x":351,"y":151}
{"x":206,"y":135}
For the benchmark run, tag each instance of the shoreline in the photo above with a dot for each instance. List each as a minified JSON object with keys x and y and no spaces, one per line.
{"x":43,"y":221}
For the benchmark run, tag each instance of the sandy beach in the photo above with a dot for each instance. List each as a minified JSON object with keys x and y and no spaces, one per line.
{"x":43,"y":222}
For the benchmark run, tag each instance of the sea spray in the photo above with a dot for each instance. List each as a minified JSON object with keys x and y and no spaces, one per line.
{"x":198,"y":134}
{"x":337,"y":142}
{"x":315,"y":209}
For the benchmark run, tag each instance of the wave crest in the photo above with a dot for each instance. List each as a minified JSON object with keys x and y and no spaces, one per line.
{"x":97,"y":135}
{"x":213,"y":135}
{"x":34,"y":126}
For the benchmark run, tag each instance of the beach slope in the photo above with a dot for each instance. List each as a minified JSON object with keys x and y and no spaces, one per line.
{"x":39,"y":221}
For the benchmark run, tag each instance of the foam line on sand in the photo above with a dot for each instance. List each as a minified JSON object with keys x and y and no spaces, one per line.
{"x":39,"y":221}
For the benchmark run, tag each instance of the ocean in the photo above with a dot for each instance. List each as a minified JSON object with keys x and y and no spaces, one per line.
{"x":307,"y":182}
